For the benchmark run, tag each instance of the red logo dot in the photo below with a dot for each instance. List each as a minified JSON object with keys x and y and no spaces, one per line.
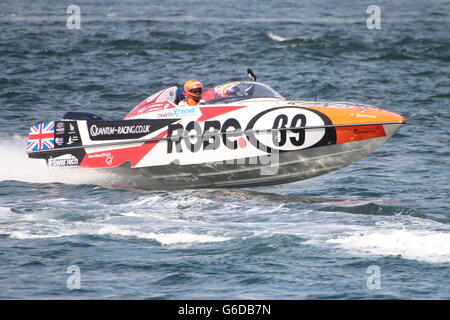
{"x":241,"y":142}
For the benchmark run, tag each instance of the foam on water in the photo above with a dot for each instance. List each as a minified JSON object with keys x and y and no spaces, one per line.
{"x":41,"y":228}
{"x":15,"y":165}
{"x":171,"y":219}
{"x":5,"y":213}
{"x":422,"y":245}
{"x":275,"y":37}
{"x":163,"y":238}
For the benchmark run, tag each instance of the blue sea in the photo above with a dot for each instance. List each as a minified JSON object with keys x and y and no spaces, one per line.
{"x":377,"y":229}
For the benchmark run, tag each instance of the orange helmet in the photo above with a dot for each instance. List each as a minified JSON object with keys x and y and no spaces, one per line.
{"x":193,"y":89}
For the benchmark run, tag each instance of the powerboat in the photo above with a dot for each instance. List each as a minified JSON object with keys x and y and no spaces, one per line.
{"x":241,"y":134}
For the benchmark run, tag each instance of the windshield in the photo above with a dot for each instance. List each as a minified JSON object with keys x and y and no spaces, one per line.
{"x":234,"y":91}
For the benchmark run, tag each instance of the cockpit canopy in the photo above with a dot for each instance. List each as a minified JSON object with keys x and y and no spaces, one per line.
{"x":225,"y":93}
{"x":234,"y":91}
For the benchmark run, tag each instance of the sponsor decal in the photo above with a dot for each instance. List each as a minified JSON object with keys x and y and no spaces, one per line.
{"x":286,"y":129}
{"x":109,"y":160}
{"x":124,"y":129}
{"x":72,"y":140}
{"x":99,"y":155}
{"x":59,"y":140}
{"x":107,"y":155}
{"x":60,"y":127}
{"x":361,"y":132}
{"x":63,"y":161}
{"x":181,"y":112}
{"x":280,"y":129}
{"x":121,"y":130}
{"x":178,"y":113}
{"x":209,"y":137}
{"x":152,"y":107}
{"x":67,"y":134}
{"x":169,"y":114}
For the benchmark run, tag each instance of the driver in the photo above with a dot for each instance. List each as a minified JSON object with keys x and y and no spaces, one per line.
{"x":193,"y":92}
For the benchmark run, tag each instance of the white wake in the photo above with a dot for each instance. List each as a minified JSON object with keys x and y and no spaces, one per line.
{"x":15,"y":165}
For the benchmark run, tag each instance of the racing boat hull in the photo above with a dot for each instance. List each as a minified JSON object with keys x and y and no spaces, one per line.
{"x":264,"y":171}
{"x":255,"y":141}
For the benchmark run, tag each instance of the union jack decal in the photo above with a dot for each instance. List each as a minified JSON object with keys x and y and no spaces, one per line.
{"x":41,"y":136}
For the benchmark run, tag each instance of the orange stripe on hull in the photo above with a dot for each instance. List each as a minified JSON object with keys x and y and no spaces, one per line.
{"x":356,"y":133}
